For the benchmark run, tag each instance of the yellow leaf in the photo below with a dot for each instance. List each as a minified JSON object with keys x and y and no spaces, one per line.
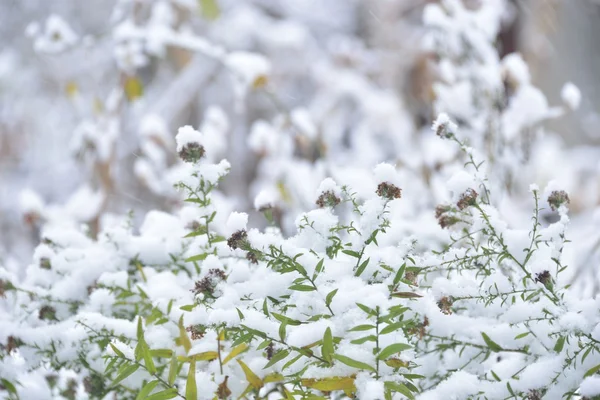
{"x":133,"y":88}
{"x":204,"y":356}
{"x":252,"y":378}
{"x":191,"y":389}
{"x":334,"y":383}
{"x":396,"y":363}
{"x":71,"y":89}
{"x":274,"y":377}
{"x":222,"y":335}
{"x":183,"y":337}
{"x":260,"y":82}
{"x":236,"y":351}
{"x":283,"y":192}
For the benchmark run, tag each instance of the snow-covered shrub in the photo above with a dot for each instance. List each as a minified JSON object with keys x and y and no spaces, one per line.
{"x":199,"y":305}
{"x":423,"y":277}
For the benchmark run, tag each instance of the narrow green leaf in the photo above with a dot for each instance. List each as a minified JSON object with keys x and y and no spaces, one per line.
{"x":302,"y":288}
{"x":361,"y":328}
{"x":116,"y":350}
{"x":280,"y":355}
{"x":130,"y":369}
{"x":521,"y":335}
{"x":399,"y":388}
{"x":392,"y":327}
{"x":164,"y":395}
{"x":327,"y":348}
{"x":592,"y":371}
{"x":392,"y":349}
{"x":560,"y":343}
{"x":199,"y":257}
{"x":495,"y":347}
{"x":353,"y":363}
{"x":351,"y":253}
{"x":361,"y":267}
{"x":148,"y":387}
{"x":330,"y":296}
{"x":172,"y":370}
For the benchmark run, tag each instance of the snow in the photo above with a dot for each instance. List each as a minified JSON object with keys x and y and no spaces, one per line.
{"x":571,"y":95}
{"x":187,"y":135}
{"x":237,"y":221}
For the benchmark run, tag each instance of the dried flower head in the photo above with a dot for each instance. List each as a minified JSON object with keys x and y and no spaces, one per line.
{"x":47,"y":313}
{"x":45,"y":263}
{"x":196,"y":331}
{"x":445,"y":305}
{"x":545,"y":279}
{"x":443,"y":126}
{"x":251,"y":256}
{"x":5,"y":286}
{"x":239,"y":240}
{"x":223,"y":391}
{"x":557,"y":198}
{"x":270,"y":350}
{"x":192,"y":152}
{"x":446,"y":221}
{"x":193,"y":226}
{"x":327,"y":199}
{"x":12,"y":343}
{"x":441,"y":210}
{"x":207,"y":285}
{"x":467,"y":199}
{"x":388,"y":191}
{"x":534,"y":395}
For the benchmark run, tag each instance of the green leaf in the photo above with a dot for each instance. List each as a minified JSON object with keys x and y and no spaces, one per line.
{"x":496,"y":377}
{"x":399,"y":388}
{"x":172,"y":370}
{"x":8,"y":386}
{"x":366,"y":309}
{"x":330,"y":296}
{"x":392,"y":327}
{"x":188,"y":307}
{"x":361,"y":328}
{"x":560,"y":343}
{"x":128,"y":370}
{"x":148,"y":362}
{"x":592,"y":371}
{"x":493,"y":346}
{"x":361,"y":267}
{"x":399,"y":274}
{"x":199,"y":257}
{"x":353,"y":363}
{"x":392,"y":349}
{"x":286,"y":320}
{"x":164,"y":395}
{"x":280,"y":355}
{"x":191,"y":391}
{"x":521,"y":335}
{"x":351,"y":253}
{"x":116,"y":350}
{"x":140,"y":330}
{"x":183,"y":337}
{"x":302,"y":288}
{"x":406,"y":295}
{"x":148,"y":387}
{"x":327,"y":348}
{"x":370,"y":338}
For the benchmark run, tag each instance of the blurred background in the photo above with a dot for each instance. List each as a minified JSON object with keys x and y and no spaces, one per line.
{"x":92,"y":93}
